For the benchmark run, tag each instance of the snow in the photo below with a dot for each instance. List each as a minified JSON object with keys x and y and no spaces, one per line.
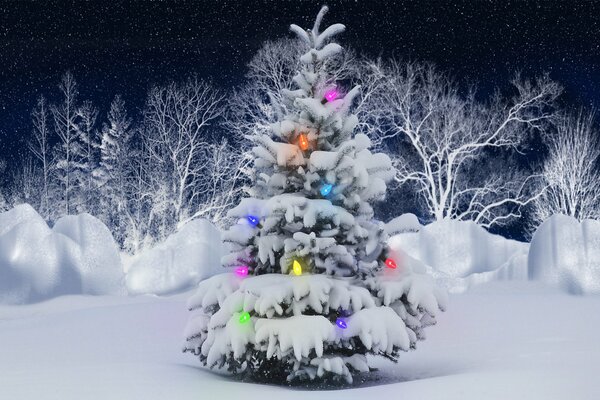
{"x":101,"y":270}
{"x":180,"y":262}
{"x":403,"y":224}
{"x":460,"y":254}
{"x":510,"y":340}
{"x":566,"y":252}
{"x":278,"y":336}
{"x":36,"y":262}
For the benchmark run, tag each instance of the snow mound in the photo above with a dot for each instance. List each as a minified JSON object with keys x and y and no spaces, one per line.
{"x":566,"y":252}
{"x":405,"y":223}
{"x":101,"y":270}
{"x":17,"y":215}
{"x":79,"y":256}
{"x":460,"y":254}
{"x":180,"y":262}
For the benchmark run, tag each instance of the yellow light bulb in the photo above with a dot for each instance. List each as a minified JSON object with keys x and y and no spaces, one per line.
{"x":297,"y":268}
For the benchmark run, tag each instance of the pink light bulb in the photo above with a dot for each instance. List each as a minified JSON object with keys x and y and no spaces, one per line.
{"x":241,"y":271}
{"x":331,"y":94}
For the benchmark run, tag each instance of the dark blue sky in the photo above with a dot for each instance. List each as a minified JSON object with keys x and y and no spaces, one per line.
{"x":124,"y":47}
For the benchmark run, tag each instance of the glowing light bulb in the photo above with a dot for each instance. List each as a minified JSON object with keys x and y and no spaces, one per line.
{"x":242,"y":270}
{"x":303,"y":142}
{"x":341,"y":323}
{"x":297,"y":268}
{"x":252,"y":220}
{"x":244,"y":317}
{"x":326,"y":189}
{"x":391,"y":263}
{"x":331,"y":94}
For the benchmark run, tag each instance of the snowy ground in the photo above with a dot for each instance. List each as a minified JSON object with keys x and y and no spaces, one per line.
{"x":501,"y":342}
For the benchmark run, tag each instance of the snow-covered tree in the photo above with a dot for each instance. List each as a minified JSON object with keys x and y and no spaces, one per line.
{"x":26,"y":183}
{"x":86,"y":158}
{"x":440,"y":138}
{"x":271,"y":70}
{"x":221,"y":185}
{"x":115,"y":168}
{"x":64,"y":125}
{"x":571,"y":175}
{"x":40,"y":147}
{"x":315,"y":288}
{"x":4,"y":204}
{"x":178,"y":120}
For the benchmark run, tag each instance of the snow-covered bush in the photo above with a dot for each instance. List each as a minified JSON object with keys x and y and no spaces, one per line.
{"x":566,"y":252}
{"x":181,"y":261}
{"x":36,"y":262}
{"x":460,"y":253}
{"x":316,"y":288}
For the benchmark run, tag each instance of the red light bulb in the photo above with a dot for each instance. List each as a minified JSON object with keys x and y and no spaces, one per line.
{"x":391,"y":263}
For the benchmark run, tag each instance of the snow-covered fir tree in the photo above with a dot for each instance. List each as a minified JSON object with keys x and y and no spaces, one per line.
{"x":86,"y":157}
{"x":313,"y":288}
{"x":114,"y":167}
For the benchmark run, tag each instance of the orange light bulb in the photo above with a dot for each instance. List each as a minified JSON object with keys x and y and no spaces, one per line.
{"x":303,"y":142}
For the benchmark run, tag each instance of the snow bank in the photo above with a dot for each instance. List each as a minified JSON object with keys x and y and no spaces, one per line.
{"x":180,"y":262}
{"x":79,"y":256}
{"x":101,"y":270}
{"x":459,"y":254}
{"x":403,"y":224}
{"x":566,"y":252}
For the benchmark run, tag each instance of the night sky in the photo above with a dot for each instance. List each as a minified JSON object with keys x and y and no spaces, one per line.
{"x":125,"y":47}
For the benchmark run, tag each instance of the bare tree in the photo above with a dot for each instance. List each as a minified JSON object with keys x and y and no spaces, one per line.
{"x":4,"y":204}
{"x":26,"y":183}
{"x":571,"y":178}
{"x":178,"y":120}
{"x":222,"y":188}
{"x":86,"y":156}
{"x":146,"y":194}
{"x":439,"y":138}
{"x":40,"y":147}
{"x":64,"y":124}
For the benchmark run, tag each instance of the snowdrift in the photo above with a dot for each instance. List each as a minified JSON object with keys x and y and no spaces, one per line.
{"x":180,"y":262}
{"x":78,"y":256}
{"x":459,"y":254}
{"x":566,"y":252}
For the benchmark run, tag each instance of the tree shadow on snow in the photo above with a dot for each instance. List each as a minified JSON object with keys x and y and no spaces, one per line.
{"x":388,"y":376}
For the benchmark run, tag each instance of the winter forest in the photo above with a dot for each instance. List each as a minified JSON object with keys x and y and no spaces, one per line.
{"x":184,"y":156}
{"x":336,"y":223}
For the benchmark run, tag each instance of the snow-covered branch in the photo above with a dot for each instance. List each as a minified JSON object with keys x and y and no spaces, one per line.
{"x":440,"y":136}
{"x":571,"y":178}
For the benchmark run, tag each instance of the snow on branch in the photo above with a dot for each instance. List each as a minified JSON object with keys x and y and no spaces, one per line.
{"x":439,"y":137}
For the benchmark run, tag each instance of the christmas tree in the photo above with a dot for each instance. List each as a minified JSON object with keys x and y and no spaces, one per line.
{"x":312,"y":289}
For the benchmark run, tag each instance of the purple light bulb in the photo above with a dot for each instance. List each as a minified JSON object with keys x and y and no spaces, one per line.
{"x":331,"y":94}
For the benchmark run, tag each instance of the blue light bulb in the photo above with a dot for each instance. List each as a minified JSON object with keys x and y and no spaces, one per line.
{"x":341,"y":323}
{"x":252,"y":220}
{"x":326,"y":189}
